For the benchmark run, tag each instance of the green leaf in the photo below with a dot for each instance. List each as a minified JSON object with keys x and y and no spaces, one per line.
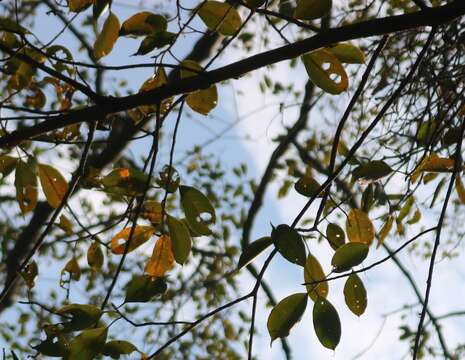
{"x":307,"y":186}
{"x":312,"y":9}
{"x":314,"y":272}
{"x":82,"y":316}
{"x":26,"y":186}
{"x":289,"y":244}
{"x":125,"y":181}
{"x":107,"y":37}
{"x":372,"y":171}
{"x":355,"y":294}
{"x":326,"y":323}
{"x":116,"y":348}
{"x":335,"y":235}
{"x":326,"y":71}
{"x":348,"y":256}
{"x":143,"y":23}
{"x":53,"y":346}
{"x":221,"y":17}
{"x":198,"y":210}
{"x":203,"y":101}
{"x":88,"y":344}
{"x":155,"y":41}
{"x":142,"y":288}
{"x":286,"y":314}
{"x":180,"y":239}
{"x":169,"y":179}
{"x":405,"y":210}
{"x":11,"y":26}
{"x":252,"y":250}
{"x":384,"y":232}
{"x":348,"y":53}
{"x":359,"y":227}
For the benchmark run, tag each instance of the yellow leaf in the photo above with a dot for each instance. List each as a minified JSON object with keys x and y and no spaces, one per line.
{"x":141,"y":235}
{"x":151,"y":210}
{"x":384,"y":232}
{"x":221,"y":17}
{"x":66,"y":225}
{"x":460,"y":189}
{"x":348,"y":53}
{"x":79,"y":5}
{"x":433,"y":163}
{"x":314,"y":272}
{"x":143,"y":23}
{"x":30,"y":273}
{"x":95,"y":256}
{"x":108,"y":36}
{"x":26,"y":186}
{"x":359,"y":227}
{"x":7,"y":165}
{"x":326,"y":71}
{"x":53,"y":184}
{"x":72,"y":267}
{"x":203,"y":101}
{"x":162,"y":258}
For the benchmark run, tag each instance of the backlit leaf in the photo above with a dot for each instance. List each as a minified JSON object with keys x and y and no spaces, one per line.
{"x":73,"y":269}
{"x":289,"y":244}
{"x":286,"y":314}
{"x":156,"y":40}
{"x":125,"y":181}
{"x":181,"y":241}
{"x":313,"y":272}
{"x":152,"y":210}
{"x":26,"y":186}
{"x":95,"y":256}
{"x":88,"y":344}
{"x":140,"y":235}
{"x":415,"y":218}
{"x":348,"y":53}
{"x":79,"y":5}
{"x":203,"y":101}
{"x":372,"y":171}
{"x":81,"y":316}
{"x":359,"y":227}
{"x":116,"y":348}
{"x":460,"y":189}
{"x":312,"y":9}
{"x":252,"y":250}
{"x":143,"y":23}
{"x":433,"y":163}
{"x":100,"y":6}
{"x":219,"y":16}
{"x":326,"y":323}
{"x":307,"y":186}
{"x":107,"y":37}
{"x":355,"y":294}
{"x":198,"y":210}
{"x":162,"y":259}
{"x":66,"y":225}
{"x":349,"y":255}
{"x":30,"y":273}
{"x":53,"y":184}
{"x":335,"y":235}
{"x":7,"y":165}
{"x":405,"y":209}
{"x":142,"y":288}
{"x":326,"y":71}
{"x":384,"y":232}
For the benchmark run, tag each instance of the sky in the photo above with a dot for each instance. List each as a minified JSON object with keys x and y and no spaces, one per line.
{"x":250,"y":140}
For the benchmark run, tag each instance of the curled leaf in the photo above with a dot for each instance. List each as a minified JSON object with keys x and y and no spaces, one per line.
{"x":95,"y":256}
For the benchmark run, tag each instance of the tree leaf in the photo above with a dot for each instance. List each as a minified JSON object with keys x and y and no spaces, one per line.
{"x":359,"y":227}
{"x":384,"y":232}
{"x":7,"y":165}
{"x":66,"y":225}
{"x":203,"y":101}
{"x":326,"y":323}
{"x":116,"y":348}
{"x":355,"y":294}
{"x":88,"y":344}
{"x":433,"y":163}
{"x":348,"y":53}
{"x":460,"y":189}
{"x":95,"y":256}
{"x":73,"y":269}
{"x":348,"y":256}
{"x":143,"y":23}
{"x":26,"y":186}
{"x":415,"y":218}
{"x":79,"y":5}
{"x":53,"y":184}
{"x":140,"y":236}
{"x":125,"y":181}
{"x":312,"y":9}
{"x":289,"y":244}
{"x":30,"y":273}
{"x":221,"y":17}
{"x":152,"y":210}
{"x":100,"y":6}
{"x":405,"y":209}
{"x":286,"y":314}
{"x":372,"y":170}
{"x":107,"y":37}
{"x":82,"y":316}
{"x":326,"y":71}
{"x":142,"y":288}
{"x":307,"y":186}
{"x":335,"y":235}
{"x":198,"y":209}
{"x":162,"y":259}
{"x":252,"y":250}
{"x":314,"y":272}
{"x":156,"y":40}
{"x":181,"y":241}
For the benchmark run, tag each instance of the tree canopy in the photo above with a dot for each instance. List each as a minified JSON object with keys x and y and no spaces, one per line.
{"x":124,"y":233}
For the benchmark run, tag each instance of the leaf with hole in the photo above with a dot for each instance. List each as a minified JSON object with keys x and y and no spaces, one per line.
{"x":359,"y":227}
{"x":348,"y":53}
{"x":140,"y":235}
{"x":286,"y":314}
{"x":289,"y":244}
{"x":198,"y":209}
{"x":313,"y":272}
{"x":326,"y":71}
{"x":355,"y":294}
{"x":348,"y":256}
{"x":253,"y":250}
{"x":326,"y":323}
{"x":335,"y":236}
{"x":181,"y":241}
